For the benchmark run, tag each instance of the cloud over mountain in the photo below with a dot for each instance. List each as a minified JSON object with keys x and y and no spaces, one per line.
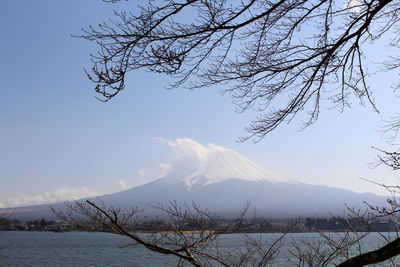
{"x":211,"y":164}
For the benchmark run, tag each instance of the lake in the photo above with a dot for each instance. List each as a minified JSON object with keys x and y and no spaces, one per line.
{"x":102,"y":249}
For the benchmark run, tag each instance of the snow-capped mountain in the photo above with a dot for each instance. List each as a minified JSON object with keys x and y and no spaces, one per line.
{"x":219,"y":164}
{"x":222,"y":180}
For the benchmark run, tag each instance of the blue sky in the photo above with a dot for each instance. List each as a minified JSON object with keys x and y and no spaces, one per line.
{"x":56,"y":137}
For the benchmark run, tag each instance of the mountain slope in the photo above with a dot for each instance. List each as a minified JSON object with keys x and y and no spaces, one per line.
{"x":228,"y":196}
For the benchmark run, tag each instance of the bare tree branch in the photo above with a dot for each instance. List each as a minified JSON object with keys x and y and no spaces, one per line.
{"x":392,"y":249}
{"x":189,"y":233}
{"x":277,"y":57}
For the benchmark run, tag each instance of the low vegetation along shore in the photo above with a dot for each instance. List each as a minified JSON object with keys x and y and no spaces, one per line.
{"x":252,"y":225}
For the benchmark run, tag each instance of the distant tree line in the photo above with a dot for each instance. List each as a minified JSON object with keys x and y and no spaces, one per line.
{"x":7,"y":224}
{"x":343,"y":224}
{"x":248,"y":225}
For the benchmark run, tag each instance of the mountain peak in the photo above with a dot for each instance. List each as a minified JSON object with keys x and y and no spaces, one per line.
{"x":221,"y":164}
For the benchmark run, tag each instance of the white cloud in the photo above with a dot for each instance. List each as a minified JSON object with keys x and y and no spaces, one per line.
{"x":186,"y":147}
{"x":141,"y":173}
{"x":165,"y":169}
{"x":122,"y":185}
{"x":59,"y":195}
{"x":189,"y":156}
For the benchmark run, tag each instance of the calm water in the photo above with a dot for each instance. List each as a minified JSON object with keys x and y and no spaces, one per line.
{"x":101,"y":249}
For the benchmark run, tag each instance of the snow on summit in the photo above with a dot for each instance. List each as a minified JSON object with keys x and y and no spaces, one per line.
{"x":212,"y":164}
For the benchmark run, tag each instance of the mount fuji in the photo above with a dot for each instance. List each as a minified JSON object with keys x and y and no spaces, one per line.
{"x":222,"y":180}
